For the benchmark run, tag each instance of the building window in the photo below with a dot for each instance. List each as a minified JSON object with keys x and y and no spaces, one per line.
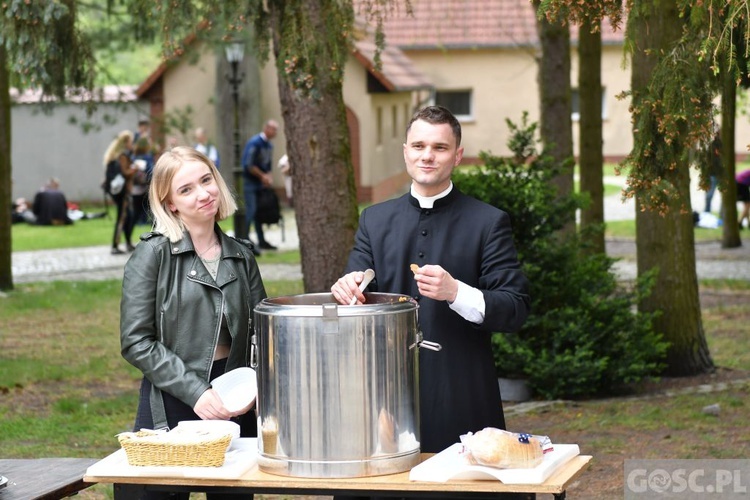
{"x":575,"y":104}
{"x":457,"y":101}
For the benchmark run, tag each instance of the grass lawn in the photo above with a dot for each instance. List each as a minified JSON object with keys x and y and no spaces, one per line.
{"x":94,"y":232}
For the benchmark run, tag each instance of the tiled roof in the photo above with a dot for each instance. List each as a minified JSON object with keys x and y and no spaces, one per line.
{"x":397,"y":72}
{"x":469,"y":24}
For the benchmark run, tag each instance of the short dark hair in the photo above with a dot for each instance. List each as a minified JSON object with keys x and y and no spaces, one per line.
{"x":437,"y":115}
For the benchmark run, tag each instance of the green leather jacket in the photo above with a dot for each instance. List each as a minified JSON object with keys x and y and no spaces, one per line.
{"x":171,"y":312}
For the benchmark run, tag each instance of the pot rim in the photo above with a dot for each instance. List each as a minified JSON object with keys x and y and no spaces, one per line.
{"x":325,"y":305}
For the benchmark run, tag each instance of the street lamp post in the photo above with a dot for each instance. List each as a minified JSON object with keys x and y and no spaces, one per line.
{"x":235,"y":51}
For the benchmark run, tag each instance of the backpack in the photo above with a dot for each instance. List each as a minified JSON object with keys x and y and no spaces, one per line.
{"x":268,"y":210}
{"x":113,"y":179}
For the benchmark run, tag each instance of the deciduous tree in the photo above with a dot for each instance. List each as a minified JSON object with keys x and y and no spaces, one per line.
{"x":591,"y":155}
{"x":672,"y":114}
{"x":41,"y":47}
{"x":556,"y":128}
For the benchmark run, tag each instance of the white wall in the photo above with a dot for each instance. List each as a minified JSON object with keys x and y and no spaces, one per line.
{"x":49,"y":145}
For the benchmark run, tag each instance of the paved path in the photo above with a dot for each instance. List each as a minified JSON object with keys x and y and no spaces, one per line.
{"x":97,"y":263}
{"x":91,"y":263}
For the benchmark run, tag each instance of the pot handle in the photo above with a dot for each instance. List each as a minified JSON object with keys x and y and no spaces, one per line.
{"x":253,"y":353}
{"x":433,"y":346}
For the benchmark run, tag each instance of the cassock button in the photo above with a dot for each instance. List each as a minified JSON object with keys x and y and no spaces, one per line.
{"x":417,"y":297}
{"x":424,"y":232}
{"x":421,"y":255}
{"x":427,"y":212}
{"x":193,"y":272}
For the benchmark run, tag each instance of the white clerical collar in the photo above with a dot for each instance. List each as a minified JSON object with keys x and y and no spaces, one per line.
{"x":263,"y":136}
{"x":429,"y":201}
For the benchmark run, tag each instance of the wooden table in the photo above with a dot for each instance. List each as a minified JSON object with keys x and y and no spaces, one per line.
{"x":394,"y":485}
{"x":43,"y":478}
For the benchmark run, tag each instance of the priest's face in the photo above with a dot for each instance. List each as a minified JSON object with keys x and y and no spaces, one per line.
{"x":430,"y":153}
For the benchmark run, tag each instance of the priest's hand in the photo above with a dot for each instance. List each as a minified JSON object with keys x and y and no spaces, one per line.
{"x":436,"y":283}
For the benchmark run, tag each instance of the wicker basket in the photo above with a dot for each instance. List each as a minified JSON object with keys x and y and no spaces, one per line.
{"x":146,"y":448}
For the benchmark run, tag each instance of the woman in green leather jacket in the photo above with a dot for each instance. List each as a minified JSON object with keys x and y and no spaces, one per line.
{"x":188,"y":296}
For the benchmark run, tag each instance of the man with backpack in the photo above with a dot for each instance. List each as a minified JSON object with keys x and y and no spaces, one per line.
{"x":256,"y":175}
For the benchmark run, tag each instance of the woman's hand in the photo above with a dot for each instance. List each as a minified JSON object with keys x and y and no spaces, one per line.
{"x":210,"y":407}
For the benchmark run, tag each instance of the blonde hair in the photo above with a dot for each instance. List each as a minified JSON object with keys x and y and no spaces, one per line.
{"x":117,"y":146}
{"x":167,"y":222}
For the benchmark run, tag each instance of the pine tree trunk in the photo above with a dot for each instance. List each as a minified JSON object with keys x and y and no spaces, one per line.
{"x":6,"y":184}
{"x":591,"y":159}
{"x":556,"y":127}
{"x":319,"y":152}
{"x":666,"y":241}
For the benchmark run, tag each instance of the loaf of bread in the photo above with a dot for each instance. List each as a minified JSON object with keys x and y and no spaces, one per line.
{"x":502,"y":449}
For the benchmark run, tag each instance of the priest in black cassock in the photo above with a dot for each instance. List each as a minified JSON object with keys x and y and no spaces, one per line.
{"x":468,"y":281}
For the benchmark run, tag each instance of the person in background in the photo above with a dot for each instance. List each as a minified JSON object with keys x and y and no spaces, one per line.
{"x":144,"y":163}
{"x":716,"y":169}
{"x":286,"y":170}
{"x":20,"y":211}
{"x":202,"y":145}
{"x":143,"y":130}
{"x":50,"y":206}
{"x":117,"y":159}
{"x":743,"y":194}
{"x":467,"y":279}
{"x":188,"y":292}
{"x":172,"y":142}
{"x":256,"y":174}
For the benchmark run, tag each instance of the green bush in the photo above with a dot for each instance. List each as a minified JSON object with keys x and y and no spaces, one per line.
{"x":584,"y":335}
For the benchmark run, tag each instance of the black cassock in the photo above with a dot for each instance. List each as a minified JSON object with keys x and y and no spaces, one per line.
{"x":473,"y":242}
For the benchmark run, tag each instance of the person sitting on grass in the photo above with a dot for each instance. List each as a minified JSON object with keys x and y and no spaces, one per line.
{"x":50,"y":206}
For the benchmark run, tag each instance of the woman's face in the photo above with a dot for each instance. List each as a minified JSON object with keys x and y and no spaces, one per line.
{"x":194,"y":194}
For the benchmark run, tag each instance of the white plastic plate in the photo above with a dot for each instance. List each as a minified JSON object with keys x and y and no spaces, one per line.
{"x":237,"y":388}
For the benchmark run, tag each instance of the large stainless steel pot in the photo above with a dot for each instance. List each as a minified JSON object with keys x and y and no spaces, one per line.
{"x":337,"y":385}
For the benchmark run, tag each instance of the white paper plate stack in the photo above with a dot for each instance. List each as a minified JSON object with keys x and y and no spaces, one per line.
{"x":237,"y":388}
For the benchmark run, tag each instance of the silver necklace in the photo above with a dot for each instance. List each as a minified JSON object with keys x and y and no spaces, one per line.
{"x":204,"y":252}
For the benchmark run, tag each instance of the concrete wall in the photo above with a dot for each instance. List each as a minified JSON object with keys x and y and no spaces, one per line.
{"x":48,"y":145}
